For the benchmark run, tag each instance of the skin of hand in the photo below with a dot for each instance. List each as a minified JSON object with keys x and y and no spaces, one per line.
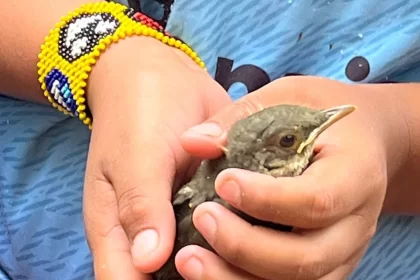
{"x":143,"y":95}
{"x":124,"y":142}
{"x":141,"y":104}
{"x":334,"y":205}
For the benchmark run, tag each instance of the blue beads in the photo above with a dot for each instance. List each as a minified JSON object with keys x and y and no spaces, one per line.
{"x":58,"y":87}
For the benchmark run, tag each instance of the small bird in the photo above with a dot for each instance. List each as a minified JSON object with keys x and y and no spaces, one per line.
{"x":276,"y":141}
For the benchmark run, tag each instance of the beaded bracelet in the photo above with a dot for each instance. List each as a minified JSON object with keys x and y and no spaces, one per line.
{"x":72,"y":48}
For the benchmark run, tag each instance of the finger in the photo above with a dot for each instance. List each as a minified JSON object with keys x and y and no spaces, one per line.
{"x":341,"y":273}
{"x":112,"y":259}
{"x":141,"y":171}
{"x":204,"y":140}
{"x":279,"y":255}
{"x":106,"y":237}
{"x":196,"y":263}
{"x":347,"y":268}
{"x":317,"y":198}
{"x":144,"y":201}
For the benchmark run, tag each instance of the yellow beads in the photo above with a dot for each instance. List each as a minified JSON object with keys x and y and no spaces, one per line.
{"x":63,"y":71}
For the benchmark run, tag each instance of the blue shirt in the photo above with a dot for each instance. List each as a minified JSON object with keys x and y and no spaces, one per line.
{"x":245,"y":44}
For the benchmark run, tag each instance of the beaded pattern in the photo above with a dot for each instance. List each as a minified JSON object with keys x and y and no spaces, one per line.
{"x":149,"y":22}
{"x":139,"y":17}
{"x":72,"y":48}
{"x":82,"y":34}
{"x":58,"y":87}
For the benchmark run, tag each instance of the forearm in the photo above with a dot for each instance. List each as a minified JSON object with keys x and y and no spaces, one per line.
{"x":25,"y":23}
{"x":403,"y":194}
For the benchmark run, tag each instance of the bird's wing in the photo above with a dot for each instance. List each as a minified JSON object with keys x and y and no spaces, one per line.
{"x":201,"y":186}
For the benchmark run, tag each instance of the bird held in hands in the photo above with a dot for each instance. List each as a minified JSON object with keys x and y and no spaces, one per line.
{"x":276,"y":141}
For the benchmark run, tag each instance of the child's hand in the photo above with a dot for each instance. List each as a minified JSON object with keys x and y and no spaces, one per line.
{"x":334,"y":205}
{"x":143,"y":95}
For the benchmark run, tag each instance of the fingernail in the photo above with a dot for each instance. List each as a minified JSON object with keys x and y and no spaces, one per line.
{"x":145,"y":243}
{"x":230,"y":191}
{"x":207,"y":226}
{"x":206,"y":129}
{"x":193,"y":269}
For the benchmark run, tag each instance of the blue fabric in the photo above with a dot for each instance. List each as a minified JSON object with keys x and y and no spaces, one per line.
{"x":43,"y":153}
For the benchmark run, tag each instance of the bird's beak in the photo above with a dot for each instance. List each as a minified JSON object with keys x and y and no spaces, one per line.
{"x":334,"y":114}
{"x":223,"y":148}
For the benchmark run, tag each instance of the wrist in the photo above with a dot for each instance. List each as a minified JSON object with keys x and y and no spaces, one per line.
{"x":116,"y":70}
{"x":138,"y":60}
{"x":73,"y":48}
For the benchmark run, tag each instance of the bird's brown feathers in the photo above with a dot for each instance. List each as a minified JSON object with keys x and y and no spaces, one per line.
{"x":255,"y":144}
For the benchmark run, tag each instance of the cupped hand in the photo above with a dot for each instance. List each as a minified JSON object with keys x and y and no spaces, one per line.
{"x":333,"y":206}
{"x":142,"y":95}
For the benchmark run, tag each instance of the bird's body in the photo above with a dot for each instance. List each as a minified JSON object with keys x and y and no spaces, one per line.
{"x":277,"y":141}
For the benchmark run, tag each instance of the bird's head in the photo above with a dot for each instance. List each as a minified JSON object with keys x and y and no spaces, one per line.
{"x":279,"y":140}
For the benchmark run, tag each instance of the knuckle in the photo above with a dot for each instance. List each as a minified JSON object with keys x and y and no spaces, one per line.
{"x":322,"y":208}
{"x":132,"y":206}
{"x":249,"y":105}
{"x":370,"y":233}
{"x":94,"y":177}
{"x":99,"y":202}
{"x":99,"y":171}
{"x":312,"y":265}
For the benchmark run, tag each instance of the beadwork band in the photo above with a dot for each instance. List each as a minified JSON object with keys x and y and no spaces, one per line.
{"x":72,"y":48}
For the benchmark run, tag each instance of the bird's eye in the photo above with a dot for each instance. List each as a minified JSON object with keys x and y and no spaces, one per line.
{"x":288,"y":141}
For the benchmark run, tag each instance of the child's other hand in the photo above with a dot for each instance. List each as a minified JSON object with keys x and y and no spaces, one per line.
{"x":334,"y":205}
{"x":143,"y":95}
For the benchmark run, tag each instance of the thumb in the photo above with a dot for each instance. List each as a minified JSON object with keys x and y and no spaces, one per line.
{"x":140,"y":170}
{"x":204,"y":140}
{"x":144,"y":201}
